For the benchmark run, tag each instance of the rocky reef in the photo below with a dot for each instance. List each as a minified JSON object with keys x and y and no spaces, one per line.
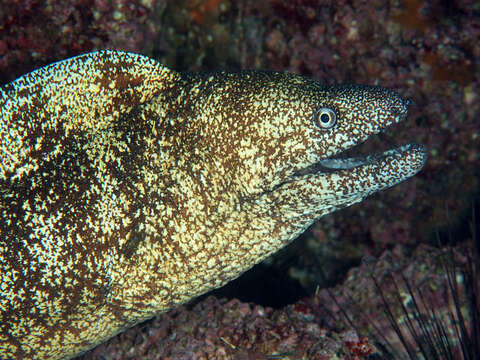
{"x":426,"y":50}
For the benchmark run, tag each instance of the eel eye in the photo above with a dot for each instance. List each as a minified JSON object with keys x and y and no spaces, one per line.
{"x":325,"y":118}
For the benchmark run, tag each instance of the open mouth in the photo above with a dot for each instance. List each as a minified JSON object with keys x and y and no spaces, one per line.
{"x":334,"y":164}
{"x":412,"y":155}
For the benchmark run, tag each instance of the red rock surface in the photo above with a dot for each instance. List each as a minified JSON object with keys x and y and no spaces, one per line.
{"x":426,"y":50}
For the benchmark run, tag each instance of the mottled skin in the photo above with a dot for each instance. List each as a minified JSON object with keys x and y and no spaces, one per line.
{"x":127,"y":188}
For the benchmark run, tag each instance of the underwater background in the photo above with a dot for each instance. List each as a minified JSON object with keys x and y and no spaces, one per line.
{"x":428,"y":51}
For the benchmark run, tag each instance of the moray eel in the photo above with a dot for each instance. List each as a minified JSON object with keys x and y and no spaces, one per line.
{"x":127,"y":188}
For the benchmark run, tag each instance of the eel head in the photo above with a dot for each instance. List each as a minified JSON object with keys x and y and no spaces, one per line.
{"x":286,"y":129}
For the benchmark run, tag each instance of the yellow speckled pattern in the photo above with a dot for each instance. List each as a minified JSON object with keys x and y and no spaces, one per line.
{"x":127,"y":188}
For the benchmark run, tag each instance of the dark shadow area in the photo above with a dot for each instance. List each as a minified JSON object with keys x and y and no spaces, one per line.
{"x":263,"y":285}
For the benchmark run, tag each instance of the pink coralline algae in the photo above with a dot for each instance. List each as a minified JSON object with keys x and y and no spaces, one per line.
{"x":37,"y":32}
{"x":426,"y":50}
{"x":217,"y":329}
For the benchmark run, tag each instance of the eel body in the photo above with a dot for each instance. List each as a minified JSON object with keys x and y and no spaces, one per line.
{"x":127,"y":188}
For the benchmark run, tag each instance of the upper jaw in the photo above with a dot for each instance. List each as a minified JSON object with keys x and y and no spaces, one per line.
{"x":398,"y":113}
